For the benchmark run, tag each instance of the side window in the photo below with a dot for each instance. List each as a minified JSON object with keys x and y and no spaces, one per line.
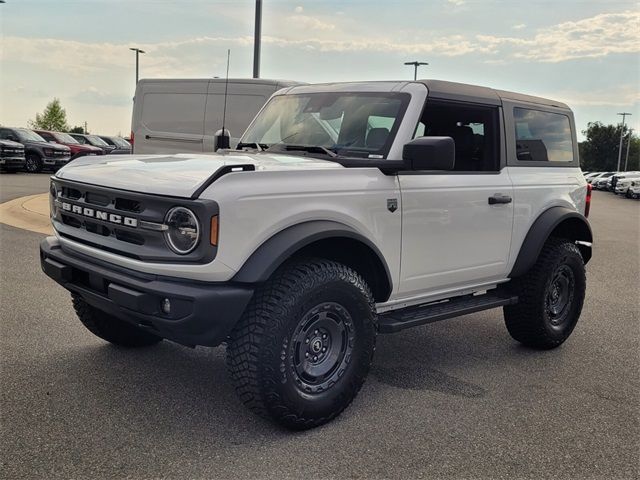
{"x":474,"y":129}
{"x":47,"y":136}
{"x":4,"y":134}
{"x":542,"y":136}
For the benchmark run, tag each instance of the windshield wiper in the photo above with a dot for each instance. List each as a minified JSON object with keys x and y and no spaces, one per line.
{"x":306,"y":148}
{"x":261,"y":147}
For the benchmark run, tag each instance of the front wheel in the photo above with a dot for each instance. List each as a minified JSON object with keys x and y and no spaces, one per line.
{"x":33,"y":163}
{"x":305,"y":344}
{"x":550,"y":295}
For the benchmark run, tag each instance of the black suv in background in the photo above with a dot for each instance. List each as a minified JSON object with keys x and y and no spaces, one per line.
{"x":122,"y":147}
{"x":94,"y":140}
{"x":11,"y":156}
{"x":39,"y":153}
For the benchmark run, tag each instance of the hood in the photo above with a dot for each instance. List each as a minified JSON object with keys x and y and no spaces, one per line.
{"x":11,"y":144}
{"x":52,"y":145}
{"x":83,"y":148}
{"x":176,"y":175}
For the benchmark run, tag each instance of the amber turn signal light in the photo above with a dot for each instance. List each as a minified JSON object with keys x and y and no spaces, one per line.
{"x":214,"y":231}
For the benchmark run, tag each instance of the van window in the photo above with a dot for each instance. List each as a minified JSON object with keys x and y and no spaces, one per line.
{"x":542,"y":136}
{"x":174,"y":112}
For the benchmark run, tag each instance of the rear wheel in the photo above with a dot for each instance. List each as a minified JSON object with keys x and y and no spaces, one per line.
{"x":305,"y":344}
{"x":33,"y":163}
{"x":550,"y":295}
{"x":110,"y":328}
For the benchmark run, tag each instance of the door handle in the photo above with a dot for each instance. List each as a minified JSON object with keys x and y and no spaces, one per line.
{"x":497,"y":198}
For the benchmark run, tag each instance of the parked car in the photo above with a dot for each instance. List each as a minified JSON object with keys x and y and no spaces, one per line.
{"x":624,"y":182}
{"x":634,"y":190}
{"x":93,"y":140}
{"x":328,"y":228}
{"x":11,"y":156}
{"x":175,"y":116}
{"x":77,"y":149}
{"x":122,"y":147}
{"x":591,"y":175}
{"x":600,"y":182}
{"x":619,"y":176}
{"x":39,"y":154}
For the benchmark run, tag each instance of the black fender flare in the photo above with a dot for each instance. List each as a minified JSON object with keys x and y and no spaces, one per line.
{"x":543,"y":227}
{"x":281,"y":246}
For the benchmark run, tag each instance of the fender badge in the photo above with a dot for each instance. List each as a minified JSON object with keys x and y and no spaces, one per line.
{"x":392,"y":204}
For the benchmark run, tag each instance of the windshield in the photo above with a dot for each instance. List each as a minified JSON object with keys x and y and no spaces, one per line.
{"x":65,"y":138}
{"x":121,"y":142}
{"x":354,"y":124}
{"x":27,"y":135}
{"x":97,"y":141}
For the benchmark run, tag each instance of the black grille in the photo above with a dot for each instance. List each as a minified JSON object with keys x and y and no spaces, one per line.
{"x":88,"y":214}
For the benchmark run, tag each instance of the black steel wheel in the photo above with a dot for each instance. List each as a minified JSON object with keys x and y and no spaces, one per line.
{"x":321,"y":347}
{"x":550,"y":297}
{"x":304,"y":346}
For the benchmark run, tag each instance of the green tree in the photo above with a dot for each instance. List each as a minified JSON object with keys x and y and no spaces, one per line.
{"x":599,"y":151}
{"x":76,"y":130}
{"x":53,"y":118}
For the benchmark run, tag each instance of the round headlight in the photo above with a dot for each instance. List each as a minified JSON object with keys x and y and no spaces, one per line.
{"x":183,"y":233}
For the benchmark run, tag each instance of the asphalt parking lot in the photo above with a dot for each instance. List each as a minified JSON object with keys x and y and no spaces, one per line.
{"x":455,"y":399}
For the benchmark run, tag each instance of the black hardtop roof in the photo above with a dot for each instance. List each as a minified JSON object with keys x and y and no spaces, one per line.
{"x":474,"y":93}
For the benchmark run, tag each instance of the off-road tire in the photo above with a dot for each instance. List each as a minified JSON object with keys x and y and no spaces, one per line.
{"x":531,"y":321}
{"x":110,"y":328}
{"x":265,"y":347}
{"x":33,"y":163}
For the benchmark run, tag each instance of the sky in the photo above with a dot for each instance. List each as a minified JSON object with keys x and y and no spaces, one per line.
{"x":584,"y":53}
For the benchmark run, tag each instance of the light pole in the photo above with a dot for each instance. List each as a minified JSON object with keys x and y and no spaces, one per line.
{"x":138,"y":52}
{"x":624,"y":114}
{"x":415,"y":64}
{"x":257,"y":39}
{"x":626,"y":160}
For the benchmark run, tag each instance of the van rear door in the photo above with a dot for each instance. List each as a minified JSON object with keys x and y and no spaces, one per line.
{"x":244,"y":100}
{"x":170,"y":116}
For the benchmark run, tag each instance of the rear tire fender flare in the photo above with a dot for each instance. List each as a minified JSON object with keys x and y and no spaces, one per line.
{"x":556,"y":221}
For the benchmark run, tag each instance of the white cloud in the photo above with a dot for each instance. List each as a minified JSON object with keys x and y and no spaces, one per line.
{"x":298,"y":9}
{"x":95,"y":96}
{"x":457,"y":3}
{"x":597,"y":36}
{"x":519,"y":26}
{"x":306,"y":22}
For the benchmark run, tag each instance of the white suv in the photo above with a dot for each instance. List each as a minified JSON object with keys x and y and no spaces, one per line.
{"x":350,"y":210}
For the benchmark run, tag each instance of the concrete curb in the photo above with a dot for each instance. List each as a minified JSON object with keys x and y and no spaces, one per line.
{"x":29,"y":213}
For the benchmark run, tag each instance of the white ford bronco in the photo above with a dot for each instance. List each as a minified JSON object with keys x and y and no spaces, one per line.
{"x":348,"y":210}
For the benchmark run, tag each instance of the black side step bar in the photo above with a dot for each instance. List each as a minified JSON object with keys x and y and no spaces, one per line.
{"x":397,"y":320}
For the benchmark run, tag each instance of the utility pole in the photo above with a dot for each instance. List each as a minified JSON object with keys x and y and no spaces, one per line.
{"x":626,"y":160}
{"x":624,"y":114}
{"x":85,"y":127}
{"x":138,"y":52}
{"x":415,"y":64}
{"x":257,"y":39}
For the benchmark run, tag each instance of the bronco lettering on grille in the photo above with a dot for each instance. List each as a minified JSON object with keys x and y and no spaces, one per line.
{"x":100,"y":215}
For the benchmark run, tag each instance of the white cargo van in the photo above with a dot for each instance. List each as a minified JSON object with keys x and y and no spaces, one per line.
{"x":183,"y":115}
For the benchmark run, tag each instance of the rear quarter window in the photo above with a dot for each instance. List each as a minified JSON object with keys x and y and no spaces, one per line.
{"x":542,"y":136}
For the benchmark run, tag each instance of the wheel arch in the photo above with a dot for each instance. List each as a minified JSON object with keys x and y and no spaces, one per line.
{"x":324,"y":239}
{"x":561,"y":222}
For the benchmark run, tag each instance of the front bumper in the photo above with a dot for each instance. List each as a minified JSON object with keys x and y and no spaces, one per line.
{"x":12,"y":162}
{"x":201,"y":313}
{"x":56,"y":161}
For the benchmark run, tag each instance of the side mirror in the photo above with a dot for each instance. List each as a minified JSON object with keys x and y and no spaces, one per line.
{"x":222,"y":139}
{"x":430,"y":153}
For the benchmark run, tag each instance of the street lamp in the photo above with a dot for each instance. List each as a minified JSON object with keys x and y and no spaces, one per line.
{"x":415,"y":64}
{"x":138,"y":52}
{"x":626,"y":160}
{"x":624,"y":114}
